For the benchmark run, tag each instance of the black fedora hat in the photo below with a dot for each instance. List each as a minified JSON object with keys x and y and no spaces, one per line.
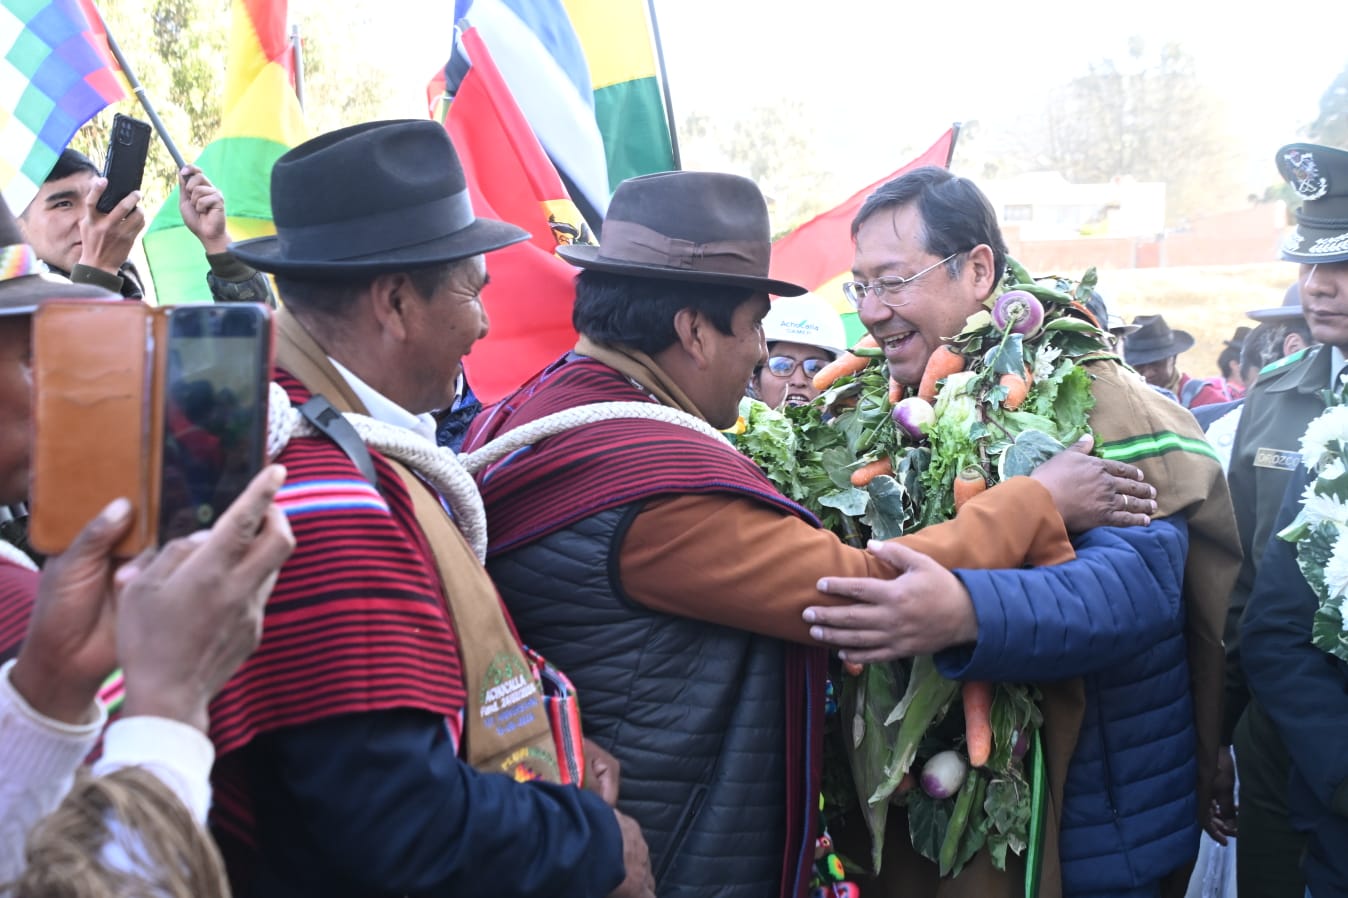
{"x":1319,"y":175}
{"x":703,"y":227}
{"x":24,"y":281}
{"x":1290,"y":308}
{"x":376,"y":197}
{"x":1154,"y":340}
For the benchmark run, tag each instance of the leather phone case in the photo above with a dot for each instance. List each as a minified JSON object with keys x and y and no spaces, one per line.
{"x":97,"y":387}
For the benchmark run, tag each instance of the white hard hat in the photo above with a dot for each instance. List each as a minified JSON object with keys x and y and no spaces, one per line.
{"x":805,"y":319}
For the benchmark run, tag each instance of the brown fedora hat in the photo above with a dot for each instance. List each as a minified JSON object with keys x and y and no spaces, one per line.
{"x":703,"y":227}
{"x":24,"y":280}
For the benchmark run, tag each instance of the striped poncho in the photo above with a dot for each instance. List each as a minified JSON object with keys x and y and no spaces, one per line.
{"x":356,"y":623}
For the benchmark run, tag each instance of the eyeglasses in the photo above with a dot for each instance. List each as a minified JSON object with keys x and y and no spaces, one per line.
{"x":856,"y":291}
{"x":785,"y":366}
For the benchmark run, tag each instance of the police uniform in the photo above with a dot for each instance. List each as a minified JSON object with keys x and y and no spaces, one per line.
{"x":1288,"y":395}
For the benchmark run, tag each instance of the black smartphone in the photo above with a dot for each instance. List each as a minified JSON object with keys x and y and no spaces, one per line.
{"x":217,"y":367}
{"x":124,"y":166}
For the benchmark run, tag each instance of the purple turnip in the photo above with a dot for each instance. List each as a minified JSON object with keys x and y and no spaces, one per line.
{"x":912,"y":415}
{"x":1020,"y":744}
{"x":1018,"y":310}
{"x":943,"y":775}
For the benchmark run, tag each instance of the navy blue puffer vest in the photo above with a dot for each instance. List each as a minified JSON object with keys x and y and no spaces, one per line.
{"x":693,"y":711}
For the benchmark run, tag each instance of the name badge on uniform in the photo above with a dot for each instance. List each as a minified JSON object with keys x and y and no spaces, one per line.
{"x":1280,"y":459}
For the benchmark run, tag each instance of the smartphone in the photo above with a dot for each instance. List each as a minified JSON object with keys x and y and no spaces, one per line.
{"x":217,"y":368}
{"x":124,"y":166}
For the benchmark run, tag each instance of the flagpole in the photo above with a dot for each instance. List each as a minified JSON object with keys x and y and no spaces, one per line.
{"x":954,"y":137}
{"x":664,"y":81}
{"x":144,"y":100}
{"x":297,"y":54}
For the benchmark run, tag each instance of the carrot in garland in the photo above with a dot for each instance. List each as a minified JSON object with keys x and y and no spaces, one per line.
{"x":852,"y":668}
{"x":845,"y":364}
{"x":968,"y":483}
{"x":1017,"y":388}
{"x":943,"y":363}
{"x":842,"y":366}
{"x":895,"y":391}
{"x":868,"y":472}
{"x":978,"y":721}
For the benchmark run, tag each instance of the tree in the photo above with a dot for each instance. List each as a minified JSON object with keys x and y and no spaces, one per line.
{"x":179,"y":48}
{"x":1149,"y":117}
{"x":769,"y":145}
{"x":1331,"y":127}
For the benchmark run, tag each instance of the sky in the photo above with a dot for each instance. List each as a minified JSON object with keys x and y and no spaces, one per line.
{"x":893,"y":74}
{"x":882,"y":78}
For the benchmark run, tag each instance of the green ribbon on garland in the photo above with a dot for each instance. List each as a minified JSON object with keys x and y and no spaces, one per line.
{"x":1034,"y":855}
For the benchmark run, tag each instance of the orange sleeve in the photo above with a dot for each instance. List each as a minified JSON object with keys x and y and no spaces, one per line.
{"x":735,"y":561}
{"x":1008,"y":526}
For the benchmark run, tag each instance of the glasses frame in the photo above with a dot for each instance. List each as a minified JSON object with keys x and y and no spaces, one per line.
{"x":856,"y":291}
{"x":767,"y":366}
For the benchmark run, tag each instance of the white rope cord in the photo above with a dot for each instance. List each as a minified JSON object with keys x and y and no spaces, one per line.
{"x":439,"y":467}
{"x":14,"y":554}
{"x":559,"y":422}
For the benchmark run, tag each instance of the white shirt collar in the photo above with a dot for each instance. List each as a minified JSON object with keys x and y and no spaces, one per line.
{"x":381,"y":408}
{"x":1336,"y":363}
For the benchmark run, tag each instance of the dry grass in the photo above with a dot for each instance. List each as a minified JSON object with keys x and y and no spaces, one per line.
{"x":1209,"y":302}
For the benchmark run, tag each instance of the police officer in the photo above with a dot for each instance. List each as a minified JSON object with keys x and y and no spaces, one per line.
{"x":1286,"y":397}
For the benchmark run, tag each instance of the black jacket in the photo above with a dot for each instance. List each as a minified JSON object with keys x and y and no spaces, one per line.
{"x":1305,"y":691}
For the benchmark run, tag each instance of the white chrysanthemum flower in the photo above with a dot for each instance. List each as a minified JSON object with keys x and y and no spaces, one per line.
{"x":1045,"y":362}
{"x":1319,"y":509}
{"x":1343,"y":615}
{"x":1332,"y":426}
{"x":1336,"y":571}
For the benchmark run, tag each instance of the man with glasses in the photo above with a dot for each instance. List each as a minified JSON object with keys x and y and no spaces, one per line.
{"x":803,"y":335}
{"x":1132,"y":689}
{"x":656,"y":565}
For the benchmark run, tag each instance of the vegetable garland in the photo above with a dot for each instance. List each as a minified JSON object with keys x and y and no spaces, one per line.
{"x":1006,"y":394}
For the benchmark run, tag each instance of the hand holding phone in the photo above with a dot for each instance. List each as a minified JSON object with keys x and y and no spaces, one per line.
{"x":124,"y":166}
{"x":165,"y":406}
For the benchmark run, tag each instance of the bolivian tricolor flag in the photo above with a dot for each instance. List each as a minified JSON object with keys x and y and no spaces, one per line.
{"x":818,"y":254}
{"x":619,"y":46}
{"x":262,"y":119}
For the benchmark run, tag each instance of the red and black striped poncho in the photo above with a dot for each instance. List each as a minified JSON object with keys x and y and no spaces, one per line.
{"x":357,"y":620}
{"x":566,"y":478}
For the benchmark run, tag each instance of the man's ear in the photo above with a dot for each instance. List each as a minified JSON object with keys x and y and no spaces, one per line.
{"x":690,"y":328}
{"x":391,"y":297}
{"x":981,"y":266}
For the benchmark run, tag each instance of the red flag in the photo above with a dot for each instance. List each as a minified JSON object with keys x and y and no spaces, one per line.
{"x":818,"y":254}
{"x":510,"y":178}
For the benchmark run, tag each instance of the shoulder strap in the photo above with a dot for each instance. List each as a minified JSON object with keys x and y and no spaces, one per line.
{"x":1189,"y":392}
{"x":332,"y":424}
{"x":506,"y":727}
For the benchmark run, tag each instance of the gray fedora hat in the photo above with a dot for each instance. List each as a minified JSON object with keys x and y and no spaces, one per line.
{"x":703,"y":227}
{"x":1319,"y":175}
{"x":1290,"y":308}
{"x":1154,"y":340}
{"x":371,"y":198}
{"x":25,"y":282}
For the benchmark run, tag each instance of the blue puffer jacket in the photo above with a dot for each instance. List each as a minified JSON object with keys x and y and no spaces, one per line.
{"x":1113,"y":617}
